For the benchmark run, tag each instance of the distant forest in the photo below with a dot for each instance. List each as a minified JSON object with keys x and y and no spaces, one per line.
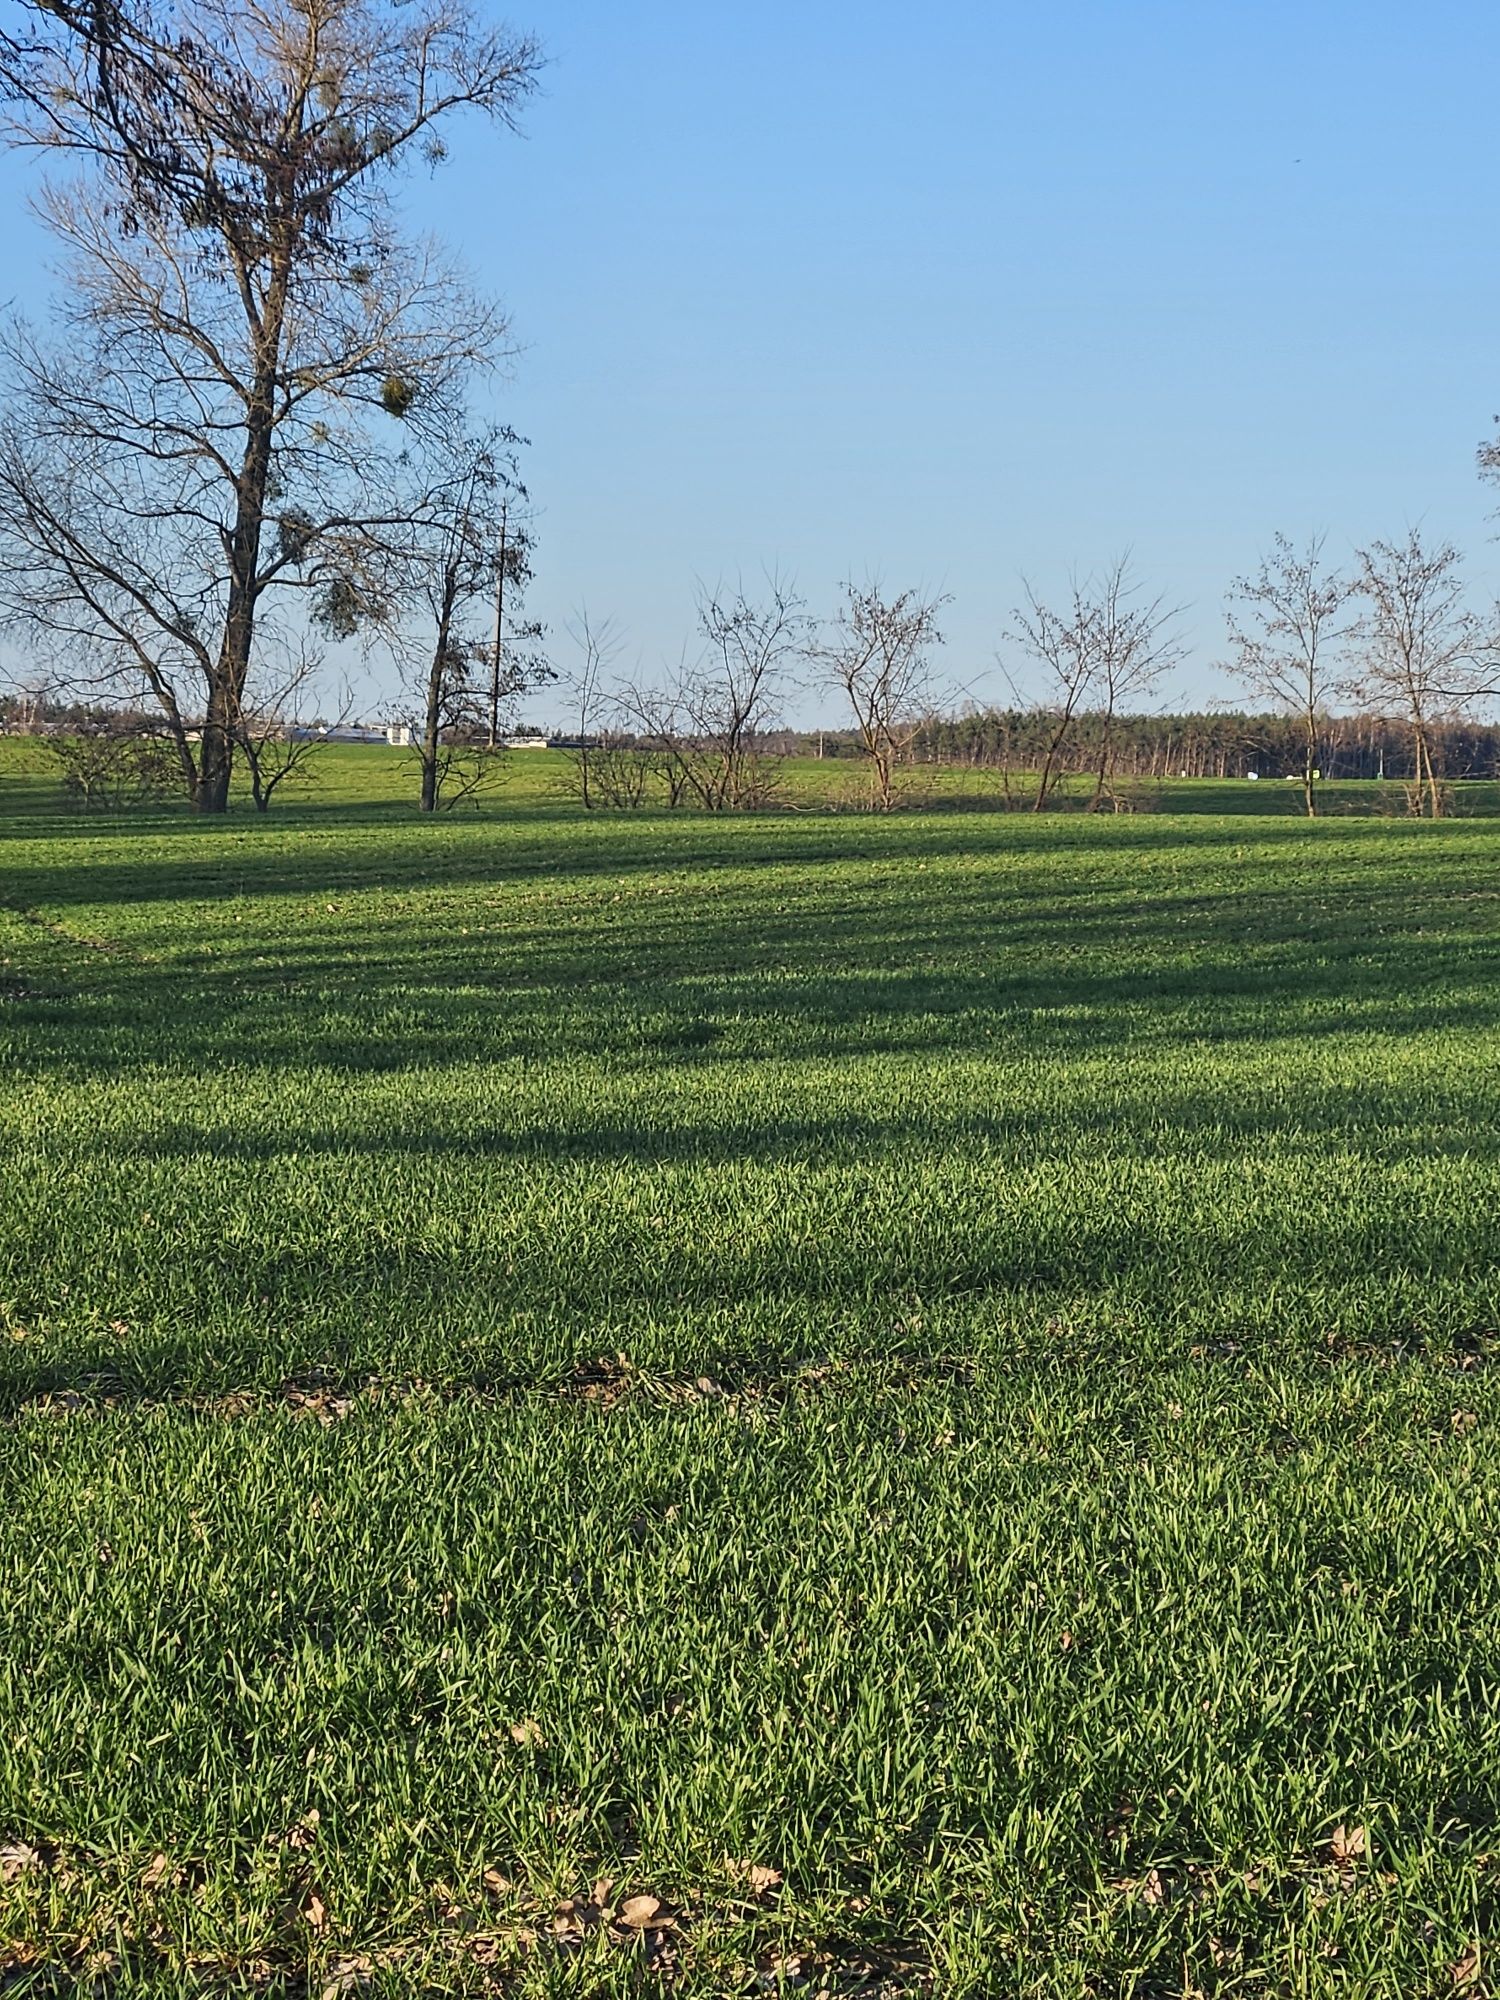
{"x":1211,"y":745}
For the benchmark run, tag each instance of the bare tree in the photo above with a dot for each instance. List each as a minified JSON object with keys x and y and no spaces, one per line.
{"x":1421,"y":651}
{"x":880,"y":656}
{"x":625,"y":774}
{"x":709,"y":722}
{"x":1135,"y":647}
{"x":1287,"y":627}
{"x":733,"y":700}
{"x":1065,"y":645}
{"x":596,"y":645}
{"x":612,"y":767}
{"x":431,"y":582}
{"x":240,"y":310}
{"x":649,"y":722}
{"x":1107,"y":648}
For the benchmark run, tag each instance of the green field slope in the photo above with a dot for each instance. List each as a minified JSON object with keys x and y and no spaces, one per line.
{"x":617,"y":1405}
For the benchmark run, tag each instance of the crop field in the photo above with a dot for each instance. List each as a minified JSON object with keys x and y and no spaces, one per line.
{"x":810,"y":1404}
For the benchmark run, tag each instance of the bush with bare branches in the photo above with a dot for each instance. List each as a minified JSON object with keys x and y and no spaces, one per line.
{"x":879,"y":657}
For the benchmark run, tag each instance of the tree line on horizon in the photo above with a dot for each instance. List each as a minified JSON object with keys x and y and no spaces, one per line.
{"x":1216,"y":743}
{"x":1225,"y":743}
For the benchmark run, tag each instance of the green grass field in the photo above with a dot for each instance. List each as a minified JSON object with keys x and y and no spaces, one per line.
{"x":808,"y":1404}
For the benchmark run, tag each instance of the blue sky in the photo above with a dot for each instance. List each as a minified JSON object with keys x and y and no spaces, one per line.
{"x":985,"y":291}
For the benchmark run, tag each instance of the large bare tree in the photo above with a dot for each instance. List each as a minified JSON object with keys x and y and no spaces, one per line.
{"x":1422,"y":651}
{"x":1287,"y":630}
{"x":240,"y":317}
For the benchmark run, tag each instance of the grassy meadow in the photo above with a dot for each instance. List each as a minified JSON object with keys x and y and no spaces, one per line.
{"x":810,"y":1404}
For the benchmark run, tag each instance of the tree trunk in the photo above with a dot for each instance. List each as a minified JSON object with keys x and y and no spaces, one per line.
{"x":494,"y":732}
{"x":1047,"y":779}
{"x":1426,"y":774}
{"x":430,"y":735}
{"x":1101,"y":783}
{"x":232,"y":667}
{"x":215,"y":756}
{"x":432,"y":721}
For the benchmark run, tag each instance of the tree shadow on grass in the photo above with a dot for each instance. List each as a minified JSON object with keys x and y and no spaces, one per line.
{"x":84,"y":861}
{"x":771,"y":962}
{"x":641,"y":1018}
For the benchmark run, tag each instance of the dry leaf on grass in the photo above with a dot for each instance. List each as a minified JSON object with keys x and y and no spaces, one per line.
{"x":528,"y":1734}
{"x":316,"y":1911}
{"x":755,"y":1876}
{"x":1152,"y":1888}
{"x":1467,"y":1969}
{"x":154,"y":1870}
{"x":1349,"y":1843}
{"x":496,"y":1883}
{"x":17,"y":1859}
{"x":573,"y":1917}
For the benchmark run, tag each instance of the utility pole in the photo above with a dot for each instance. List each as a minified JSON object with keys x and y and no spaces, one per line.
{"x":499,"y":627}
